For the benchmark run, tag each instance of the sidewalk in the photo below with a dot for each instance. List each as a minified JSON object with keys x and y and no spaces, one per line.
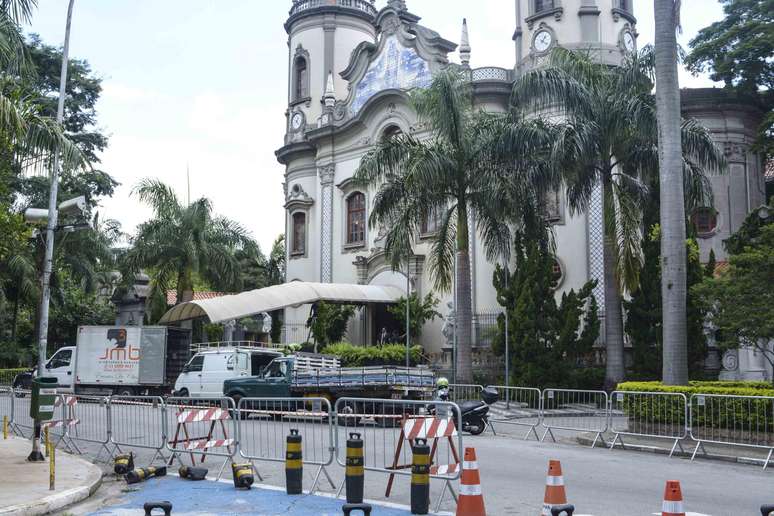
{"x":24,"y":487}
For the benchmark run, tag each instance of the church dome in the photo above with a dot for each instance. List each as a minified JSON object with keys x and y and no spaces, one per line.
{"x":303,"y":8}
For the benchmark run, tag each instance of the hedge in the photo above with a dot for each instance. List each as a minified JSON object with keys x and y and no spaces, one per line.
{"x":358,"y":356}
{"x":7,"y":375}
{"x":709,"y":412}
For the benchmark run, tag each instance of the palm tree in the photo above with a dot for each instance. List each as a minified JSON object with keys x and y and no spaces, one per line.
{"x":610,"y":139}
{"x":456,"y":173}
{"x":673,"y":259}
{"x":184,"y":242}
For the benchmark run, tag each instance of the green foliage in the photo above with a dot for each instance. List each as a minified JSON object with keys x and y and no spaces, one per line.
{"x":7,"y":375}
{"x":741,"y":300}
{"x":644,"y":318}
{"x":737,"y":388}
{"x":737,"y":51}
{"x":388,"y":354}
{"x":420,"y":312}
{"x":329,"y":324}
{"x":549,"y":342}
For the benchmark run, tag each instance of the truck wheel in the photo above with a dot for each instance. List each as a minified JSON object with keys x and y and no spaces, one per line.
{"x":182,"y":393}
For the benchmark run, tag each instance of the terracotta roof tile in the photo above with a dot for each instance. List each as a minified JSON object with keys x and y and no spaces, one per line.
{"x":198,"y":296}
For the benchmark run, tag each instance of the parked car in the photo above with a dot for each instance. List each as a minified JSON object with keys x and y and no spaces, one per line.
{"x":214,"y":363}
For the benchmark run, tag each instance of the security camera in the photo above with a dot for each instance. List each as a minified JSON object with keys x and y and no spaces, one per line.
{"x":76,"y":205}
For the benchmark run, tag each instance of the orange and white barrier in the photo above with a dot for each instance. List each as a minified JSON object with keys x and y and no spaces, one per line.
{"x":673,"y":499}
{"x":555,"y":494}
{"x":470,"y":501}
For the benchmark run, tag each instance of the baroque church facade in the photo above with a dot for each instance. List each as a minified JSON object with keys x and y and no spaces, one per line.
{"x":349,"y":68}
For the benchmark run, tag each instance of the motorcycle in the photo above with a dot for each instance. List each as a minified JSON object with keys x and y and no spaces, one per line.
{"x":475,"y":414}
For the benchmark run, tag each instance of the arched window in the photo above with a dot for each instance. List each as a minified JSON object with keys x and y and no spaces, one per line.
{"x":705,"y":220}
{"x":299,"y":233}
{"x":543,"y":5}
{"x":391,"y":132}
{"x":431,"y":222}
{"x":356,"y":218}
{"x":301,"y":79}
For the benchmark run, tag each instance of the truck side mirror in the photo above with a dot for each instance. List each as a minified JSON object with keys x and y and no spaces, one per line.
{"x":185,"y":368}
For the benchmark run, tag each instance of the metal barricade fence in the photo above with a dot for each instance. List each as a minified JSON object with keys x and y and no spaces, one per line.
{"x":23,"y":425}
{"x":574,"y":410}
{"x":265,"y":423}
{"x":6,"y":406}
{"x":732,"y":420}
{"x":388,"y":427}
{"x":459,"y":392}
{"x":201,"y":426}
{"x":136,"y":422}
{"x":518,"y":406}
{"x":649,"y":414}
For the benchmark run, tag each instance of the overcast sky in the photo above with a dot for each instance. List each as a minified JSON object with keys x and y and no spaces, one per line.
{"x":202,"y":83}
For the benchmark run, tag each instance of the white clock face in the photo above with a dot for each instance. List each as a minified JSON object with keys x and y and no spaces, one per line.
{"x":628,"y":41}
{"x":543,"y":40}
{"x":297,"y":120}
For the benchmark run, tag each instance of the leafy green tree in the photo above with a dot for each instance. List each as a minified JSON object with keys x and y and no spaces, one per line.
{"x":421,"y":311}
{"x":741,"y":300}
{"x":472,"y":164}
{"x":329,"y":323}
{"x":737,"y":51}
{"x":182,"y":242}
{"x":547,"y":341}
{"x":610,"y":138}
{"x":260,"y":271}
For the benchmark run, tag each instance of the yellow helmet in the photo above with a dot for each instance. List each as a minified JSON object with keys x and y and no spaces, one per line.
{"x":442,"y":383}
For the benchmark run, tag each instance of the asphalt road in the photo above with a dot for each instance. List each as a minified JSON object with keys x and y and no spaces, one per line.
{"x":598,"y":482}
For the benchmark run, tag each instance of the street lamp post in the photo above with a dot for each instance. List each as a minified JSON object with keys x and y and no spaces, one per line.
{"x":507,"y":344}
{"x":50,"y":228}
{"x":408,"y":311}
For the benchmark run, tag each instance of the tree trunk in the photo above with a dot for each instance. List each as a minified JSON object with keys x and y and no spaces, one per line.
{"x":462,"y":307}
{"x":673,"y":253}
{"x":615,"y":370}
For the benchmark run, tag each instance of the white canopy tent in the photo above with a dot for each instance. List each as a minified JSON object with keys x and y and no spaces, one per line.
{"x":268,"y":299}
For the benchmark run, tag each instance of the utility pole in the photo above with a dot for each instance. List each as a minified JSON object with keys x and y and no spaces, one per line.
{"x":507,"y":348}
{"x":408,"y":312}
{"x":50,"y":227}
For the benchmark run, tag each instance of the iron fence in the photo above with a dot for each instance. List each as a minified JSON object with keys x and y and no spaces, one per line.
{"x":464,"y":392}
{"x":6,"y":405}
{"x":574,"y":410}
{"x":137,"y":422}
{"x":518,"y":406}
{"x":662,"y":415}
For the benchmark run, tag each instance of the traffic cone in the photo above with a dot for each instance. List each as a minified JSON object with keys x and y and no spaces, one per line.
{"x":673,"y":499}
{"x":555,"y":494}
{"x":470,"y":501}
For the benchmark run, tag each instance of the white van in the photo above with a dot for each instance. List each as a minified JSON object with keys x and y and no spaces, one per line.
{"x":204,"y":374}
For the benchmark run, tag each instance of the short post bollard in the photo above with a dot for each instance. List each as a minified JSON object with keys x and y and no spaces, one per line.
{"x":164,"y":506}
{"x":5,"y":427}
{"x":46,"y":442}
{"x":123,"y":464}
{"x":51,"y":464}
{"x":363,"y":507}
{"x":354,"y":478}
{"x":141,"y":474}
{"x":294,"y":464}
{"x":420,"y":477}
{"x":241,"y":473}
{"x":562,"y":510}
{"x":767,"y":510}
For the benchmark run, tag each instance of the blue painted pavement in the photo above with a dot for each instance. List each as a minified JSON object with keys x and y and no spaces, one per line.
{"x":220,"y":498}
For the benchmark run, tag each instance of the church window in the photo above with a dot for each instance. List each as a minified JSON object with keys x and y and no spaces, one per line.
{"x":299,"y":233}
{"x":553,"y":207}
{"x":356,"y":218}
{"x":543,"y":5}
{"x":704,"y":220}
{"x":301,"y":80}
{"x":624,"y":5}
{"x":431,"y":222}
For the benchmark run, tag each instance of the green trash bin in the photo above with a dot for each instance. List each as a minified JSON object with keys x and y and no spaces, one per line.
{"x":43,"y":398}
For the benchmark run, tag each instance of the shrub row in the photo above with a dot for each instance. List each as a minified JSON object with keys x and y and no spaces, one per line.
{"x":358,"y":356}
{"x":7,"y":375}
{"x":742,"y":414}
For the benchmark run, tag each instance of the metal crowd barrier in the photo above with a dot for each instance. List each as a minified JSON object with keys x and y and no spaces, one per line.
{"x":22,"y":424}
{"x":518,"y":406}
{"x":464,"y":392}
{"x":6,"y":405}
{"x":201,"y":426}
{"x":265,"y":423}
{"x":388,"y":427}
{"x":137,"y":422}
{"x":575,"y":410}
{"x":732,"y":420}
{"x":661,"y":415}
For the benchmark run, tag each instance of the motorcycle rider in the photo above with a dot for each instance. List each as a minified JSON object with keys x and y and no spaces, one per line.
{"x":442,"y":394}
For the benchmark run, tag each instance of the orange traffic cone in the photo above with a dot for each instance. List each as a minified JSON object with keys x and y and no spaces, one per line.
{"x":673,"y":499}
{"x":470,"y":501}
{"x":555,"y":494}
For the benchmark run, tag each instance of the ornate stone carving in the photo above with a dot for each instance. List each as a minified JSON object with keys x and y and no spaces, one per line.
{"x":327,"y":174}
{"x":339,"y":110}
{"x":731,"y":360}
{"x":449,"y":325}
{"x":297,"y":197}
{"x":736,"y":152}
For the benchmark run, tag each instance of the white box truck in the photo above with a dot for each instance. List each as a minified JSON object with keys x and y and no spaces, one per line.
{"x":121,"y":360}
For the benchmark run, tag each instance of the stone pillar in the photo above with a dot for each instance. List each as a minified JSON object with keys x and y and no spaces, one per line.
{"x":589,"y":21}
{"x":327,"y":174}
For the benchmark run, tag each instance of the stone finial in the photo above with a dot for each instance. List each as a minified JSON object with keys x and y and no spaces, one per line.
{"x":329,"y":97}
{"x":398,"y":5}
{"x":465,"y":44}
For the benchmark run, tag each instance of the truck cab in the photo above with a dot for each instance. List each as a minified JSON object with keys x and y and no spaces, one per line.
{"x":272,"y":381}
{"x":211,"y":365}
{"x":60,"y":366}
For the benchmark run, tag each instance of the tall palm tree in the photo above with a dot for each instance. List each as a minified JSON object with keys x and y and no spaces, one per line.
{"x":673,"y":261}
{"x":456,"y":173}
{"x":184,"y":242}
{"x":610,"y":138}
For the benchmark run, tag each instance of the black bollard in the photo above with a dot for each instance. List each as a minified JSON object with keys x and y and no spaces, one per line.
{"x":192,"y":473}
{"x":349,"y":507}
{"x":142,"y":474}
{"x":294,"y":464}
{"x":562,"y":510}
{"x":767,"y":510}
{"x":354,"y":477}
{"x":420,"y":477}
{"x":242,"y":475}
{"x":123,"y":464}
{"x":164,"y":506}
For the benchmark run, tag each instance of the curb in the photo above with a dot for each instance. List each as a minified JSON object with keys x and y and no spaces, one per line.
{"x":61,"y":500}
